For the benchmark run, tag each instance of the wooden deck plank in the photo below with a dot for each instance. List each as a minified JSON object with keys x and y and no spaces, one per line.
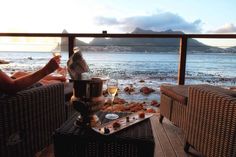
{"x":158,"y":150}
{"x":181,"y":138}
{"x":174,"y":140}
{"x":180,"y":135}
{"x":163,"y":139}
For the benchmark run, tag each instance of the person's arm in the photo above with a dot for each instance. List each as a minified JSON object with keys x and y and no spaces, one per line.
{"x":10,"y":86}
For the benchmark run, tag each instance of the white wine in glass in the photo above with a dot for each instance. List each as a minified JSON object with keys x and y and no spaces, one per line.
{"x":56,"y":53}
{"x":112,"y":87}
{"x":112,"y":90}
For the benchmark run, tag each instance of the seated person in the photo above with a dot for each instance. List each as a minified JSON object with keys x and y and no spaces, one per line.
{"x":49,"y":79}
{"x":9,"y":85}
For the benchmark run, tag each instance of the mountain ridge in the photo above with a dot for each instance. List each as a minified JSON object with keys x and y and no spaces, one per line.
{"x":145,"y":44}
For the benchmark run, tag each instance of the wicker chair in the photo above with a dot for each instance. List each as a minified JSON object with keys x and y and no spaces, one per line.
{"x":28,"y":119}
{"x":174,"y":100}
{"x":68,"y":92}
{"x":211,"y":121}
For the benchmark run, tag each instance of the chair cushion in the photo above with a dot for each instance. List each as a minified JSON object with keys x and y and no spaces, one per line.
{"x":180,"y":92}
{"x":176,"y":92}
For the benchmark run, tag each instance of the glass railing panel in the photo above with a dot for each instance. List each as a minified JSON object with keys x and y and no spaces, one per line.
{"x":132,"y":61}
{"x":29,"y":53}
{"x":213,"y":64}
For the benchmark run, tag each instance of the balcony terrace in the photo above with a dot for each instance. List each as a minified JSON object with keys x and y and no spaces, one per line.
{"x":169,"y":139}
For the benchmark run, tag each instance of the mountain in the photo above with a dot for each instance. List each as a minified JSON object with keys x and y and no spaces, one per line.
{"x":141,"y":44}
{"x":231,"y":49}
{"x":64,"y":42}
{"x":148,"y":44}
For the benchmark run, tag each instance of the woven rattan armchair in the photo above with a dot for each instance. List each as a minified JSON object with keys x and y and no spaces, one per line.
{"x":28,"y":119}
{"x":174,"y":101}
{"x":211,"y":121}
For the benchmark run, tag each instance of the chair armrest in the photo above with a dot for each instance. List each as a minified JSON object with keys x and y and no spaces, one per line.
{"x":28,"y":118}
{"x":211,"y":122}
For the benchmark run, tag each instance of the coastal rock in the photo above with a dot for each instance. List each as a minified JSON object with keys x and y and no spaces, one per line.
{"x":4,"y":62}
{"x":146,"y":90}
{"x":129,"y":89}
{"x":155,"y":103}
{"x":30,"y":58}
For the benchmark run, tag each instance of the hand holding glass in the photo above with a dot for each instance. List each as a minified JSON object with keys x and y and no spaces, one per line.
{"x":55,"y":53}
{"x":112,"y":87}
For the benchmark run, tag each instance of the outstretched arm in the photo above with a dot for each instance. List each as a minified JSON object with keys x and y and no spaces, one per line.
{"x":10,"y":86}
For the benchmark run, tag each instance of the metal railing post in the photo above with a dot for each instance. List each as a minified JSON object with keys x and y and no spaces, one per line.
{"x":71,"y":40}
{"x":182,"y":59}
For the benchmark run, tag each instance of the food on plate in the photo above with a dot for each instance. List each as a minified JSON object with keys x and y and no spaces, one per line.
{"x":150,"y":110}
{"x":141,"y":115}
{"x":116,"y":125}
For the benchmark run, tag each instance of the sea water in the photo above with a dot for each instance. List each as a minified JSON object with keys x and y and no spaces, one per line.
{"x":131,"y":67}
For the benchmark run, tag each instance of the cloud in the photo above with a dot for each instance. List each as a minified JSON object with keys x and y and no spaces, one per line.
{"x":156,"y":22}
{"x":106,"y":21}
{"x":227,"y":28}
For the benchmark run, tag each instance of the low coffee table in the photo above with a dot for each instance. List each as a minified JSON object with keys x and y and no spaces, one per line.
{"x":134,"y":141}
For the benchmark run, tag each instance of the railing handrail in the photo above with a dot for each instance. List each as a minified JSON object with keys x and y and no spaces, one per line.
{"x":117,"y":35}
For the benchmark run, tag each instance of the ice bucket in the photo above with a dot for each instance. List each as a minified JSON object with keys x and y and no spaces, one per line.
{"x":88,"y":89}
{"x":87,"y":99}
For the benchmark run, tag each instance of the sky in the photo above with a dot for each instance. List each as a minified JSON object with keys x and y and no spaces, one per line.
{"x":118,"y":16}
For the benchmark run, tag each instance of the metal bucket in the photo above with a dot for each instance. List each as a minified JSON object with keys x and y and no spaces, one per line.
{"x":88,"y":88}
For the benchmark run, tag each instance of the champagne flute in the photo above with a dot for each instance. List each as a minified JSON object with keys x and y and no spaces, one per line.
{"x":56,"y":52}
{"x":112,"y":87}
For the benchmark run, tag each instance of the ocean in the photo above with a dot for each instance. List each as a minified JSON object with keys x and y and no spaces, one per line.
{"x":131,"y":67}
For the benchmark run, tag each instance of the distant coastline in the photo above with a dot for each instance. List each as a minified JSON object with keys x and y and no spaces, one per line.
{"x":124,"y":52}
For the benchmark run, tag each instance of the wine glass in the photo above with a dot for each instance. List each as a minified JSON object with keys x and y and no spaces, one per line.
{"x":62,"y":71}
{"x":112,"y":87}
{"x":56,"y":52}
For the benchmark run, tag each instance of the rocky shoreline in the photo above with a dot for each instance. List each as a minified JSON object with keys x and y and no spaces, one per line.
{"x":4,"y":62}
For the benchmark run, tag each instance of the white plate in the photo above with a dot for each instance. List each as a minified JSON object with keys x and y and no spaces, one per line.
{"x":133,"y":119}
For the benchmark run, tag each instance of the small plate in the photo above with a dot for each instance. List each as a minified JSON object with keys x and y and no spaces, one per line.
{"x":111,"y":127}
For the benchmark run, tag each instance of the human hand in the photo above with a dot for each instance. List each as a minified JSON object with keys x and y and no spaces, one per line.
{"x":62,"y":71}
{"x":52,"y":65}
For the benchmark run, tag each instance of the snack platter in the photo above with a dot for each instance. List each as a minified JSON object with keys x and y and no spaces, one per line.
{"x":121,"y":123}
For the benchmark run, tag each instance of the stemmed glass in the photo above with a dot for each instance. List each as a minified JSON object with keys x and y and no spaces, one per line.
{"x":112,"y":87}
{"x":57,"y":52}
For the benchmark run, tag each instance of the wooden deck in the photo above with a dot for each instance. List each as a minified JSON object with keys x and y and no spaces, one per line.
{"x":169,"y":141}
